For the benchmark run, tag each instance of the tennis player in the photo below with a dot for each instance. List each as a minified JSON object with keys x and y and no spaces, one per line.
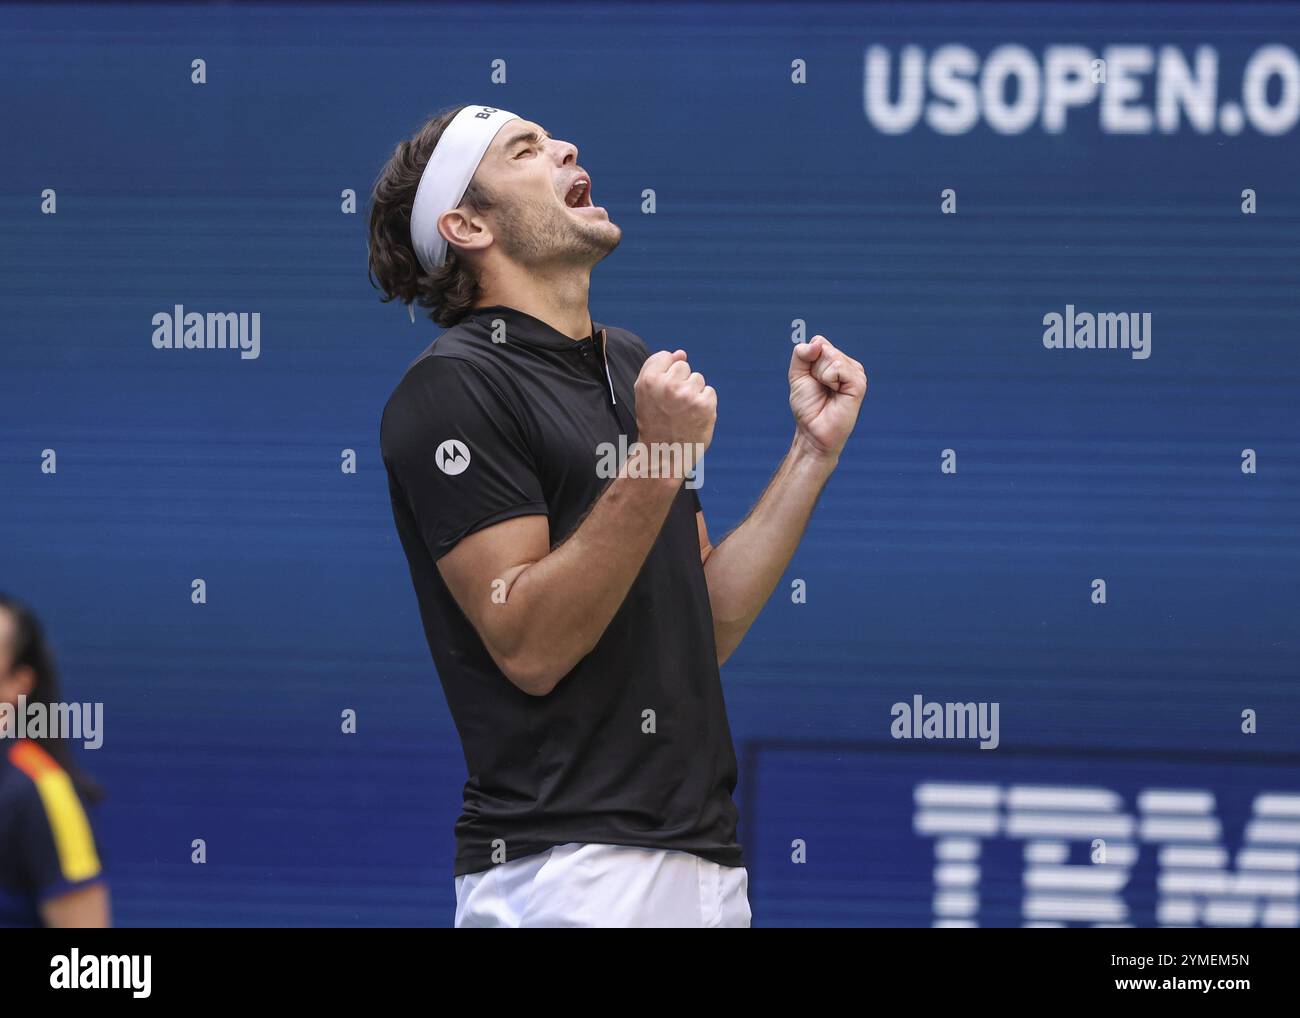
{"x":577,"y":622}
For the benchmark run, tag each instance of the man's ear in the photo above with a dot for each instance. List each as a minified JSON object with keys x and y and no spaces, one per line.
{"x":464,"y":230}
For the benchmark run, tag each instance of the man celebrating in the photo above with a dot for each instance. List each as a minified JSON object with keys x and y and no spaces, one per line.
{"x":577,"y":623}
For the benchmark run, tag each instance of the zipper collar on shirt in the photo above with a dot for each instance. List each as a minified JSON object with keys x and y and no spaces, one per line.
{"x":522,"y":327}
{"x":605,"y":359}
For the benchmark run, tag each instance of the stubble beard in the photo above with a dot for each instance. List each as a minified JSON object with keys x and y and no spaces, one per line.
{"x":534,"y":233}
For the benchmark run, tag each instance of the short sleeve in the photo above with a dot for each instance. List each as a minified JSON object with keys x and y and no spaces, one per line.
{"x":456,"y":453}
{"x":55,"y":840}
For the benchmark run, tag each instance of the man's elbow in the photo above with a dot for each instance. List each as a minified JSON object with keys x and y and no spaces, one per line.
{"x":535,"y":662}
{"x":531,"y":675}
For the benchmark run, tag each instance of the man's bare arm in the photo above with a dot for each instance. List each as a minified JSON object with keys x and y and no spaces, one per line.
{"x":826,"y":391}
{"x":743,"y":570}
{"x":539,"y":611}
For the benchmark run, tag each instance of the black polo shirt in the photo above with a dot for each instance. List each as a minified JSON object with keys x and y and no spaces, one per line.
{"x":502,"y":416}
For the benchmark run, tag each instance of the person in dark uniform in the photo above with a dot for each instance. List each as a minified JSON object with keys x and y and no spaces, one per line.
{"x":50,"y":870}
{"x":578,"y":615}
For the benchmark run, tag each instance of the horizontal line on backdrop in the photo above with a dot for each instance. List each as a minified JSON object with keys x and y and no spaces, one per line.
{"x":1263,"y":758}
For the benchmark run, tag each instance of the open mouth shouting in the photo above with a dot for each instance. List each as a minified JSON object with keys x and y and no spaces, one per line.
{"x":578,"y":197}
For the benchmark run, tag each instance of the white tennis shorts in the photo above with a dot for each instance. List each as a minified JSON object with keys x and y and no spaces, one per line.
{"x":604,"y":885}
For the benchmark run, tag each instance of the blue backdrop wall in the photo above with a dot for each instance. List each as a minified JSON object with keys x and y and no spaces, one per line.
{"x":799,"y":174}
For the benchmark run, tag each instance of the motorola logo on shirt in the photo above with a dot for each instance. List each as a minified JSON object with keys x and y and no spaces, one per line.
{"x":452,"y":457}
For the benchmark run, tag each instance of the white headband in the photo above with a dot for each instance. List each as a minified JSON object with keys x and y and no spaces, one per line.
{"x":446,"y":178}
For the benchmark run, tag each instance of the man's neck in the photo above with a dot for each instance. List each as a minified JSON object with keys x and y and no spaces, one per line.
{"x":559,"y":300}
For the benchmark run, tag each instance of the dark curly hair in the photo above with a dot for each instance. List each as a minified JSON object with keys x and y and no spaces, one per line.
{"x":448,"y":292}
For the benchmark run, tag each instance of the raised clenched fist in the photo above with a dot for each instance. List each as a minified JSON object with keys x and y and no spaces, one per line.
{"x":673,"y":403}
